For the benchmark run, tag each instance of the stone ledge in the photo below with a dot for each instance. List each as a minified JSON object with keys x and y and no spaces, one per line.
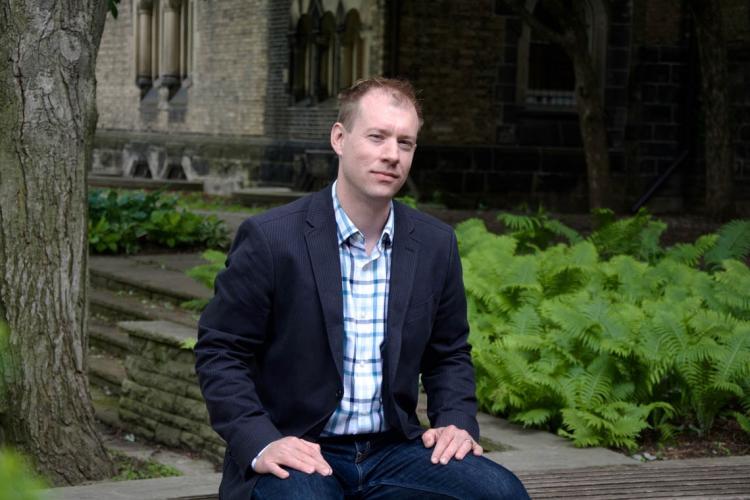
{"x":163,"y":332}
{"x":198,"y":487}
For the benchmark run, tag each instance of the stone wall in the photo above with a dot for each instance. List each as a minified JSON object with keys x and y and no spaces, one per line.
{"x":160,"y":399}
{"x":452,"y":52}
{"x":227,"y":89}
{"x":480,"y":145}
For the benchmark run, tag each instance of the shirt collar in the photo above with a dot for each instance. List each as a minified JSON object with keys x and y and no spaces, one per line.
{"x":345,"y":228}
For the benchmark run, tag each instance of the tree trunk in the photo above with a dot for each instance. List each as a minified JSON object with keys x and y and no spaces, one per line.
{"x":716,"y":107}
{"x":593,"y":129}
{"x":588,"y":89}
{"x":47,"y":122}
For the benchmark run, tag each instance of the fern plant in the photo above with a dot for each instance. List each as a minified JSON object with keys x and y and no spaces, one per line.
{"x":603,"y":337}
{"x":206,"y":275}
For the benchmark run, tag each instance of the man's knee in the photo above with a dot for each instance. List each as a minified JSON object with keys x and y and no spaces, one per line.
{"x":493,"y":481}
{"x":297,"y":485}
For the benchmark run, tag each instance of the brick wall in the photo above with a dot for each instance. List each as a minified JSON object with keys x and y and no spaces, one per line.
{"x":452,"y":52}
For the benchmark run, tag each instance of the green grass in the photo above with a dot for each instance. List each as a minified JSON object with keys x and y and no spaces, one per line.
{"x":130,"y":468}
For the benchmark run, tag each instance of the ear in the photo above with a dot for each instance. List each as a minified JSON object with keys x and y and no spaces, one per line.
{"x":338,"y":134}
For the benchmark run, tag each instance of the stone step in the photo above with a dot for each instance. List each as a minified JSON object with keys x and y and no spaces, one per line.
{"x":110,"y":181}
{"x":161,"y":278}
{"x":129,"y":306}
{"x":106,"y":372}
{"x":108,"y":338}
{"x":106,"y":407}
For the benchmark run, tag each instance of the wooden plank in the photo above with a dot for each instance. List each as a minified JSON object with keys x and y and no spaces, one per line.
{"x":685,"y":479}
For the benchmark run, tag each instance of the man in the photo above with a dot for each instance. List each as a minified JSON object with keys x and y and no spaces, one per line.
{"x":330,"y":308}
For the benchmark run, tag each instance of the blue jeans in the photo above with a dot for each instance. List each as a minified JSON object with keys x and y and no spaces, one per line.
{"x":389,"y":467}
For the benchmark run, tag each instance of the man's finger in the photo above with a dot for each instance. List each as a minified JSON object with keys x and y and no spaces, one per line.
{"x":451,"y":448}
{"x":428,"y":438}
{"x":301,"y":455}
{"x":277,"y":471}
{"x":477,"y":449}
{"x":464,"y":448}
{"x":443,"y":441}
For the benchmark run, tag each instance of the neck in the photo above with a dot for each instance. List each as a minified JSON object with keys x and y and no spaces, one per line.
{"x":368,"y":215}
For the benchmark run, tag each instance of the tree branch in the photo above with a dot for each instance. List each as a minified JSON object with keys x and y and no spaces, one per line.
{"x":519,"y":7}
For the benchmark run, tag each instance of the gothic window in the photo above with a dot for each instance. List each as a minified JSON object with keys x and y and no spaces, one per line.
{"x":352,"y":51}
{"x":301,"y":49}
{"x":327,"y":52}
{"x":326,"y":44}
{"x":164,"y":43}
{"x":545,"y":75}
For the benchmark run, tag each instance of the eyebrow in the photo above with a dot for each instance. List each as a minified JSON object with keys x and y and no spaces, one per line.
{"x":387,"y":132}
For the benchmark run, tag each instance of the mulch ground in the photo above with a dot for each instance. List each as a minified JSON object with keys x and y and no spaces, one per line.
{"x":726,"y":439}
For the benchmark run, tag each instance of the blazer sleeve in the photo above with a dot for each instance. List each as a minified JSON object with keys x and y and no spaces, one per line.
{"x":231,"y":331}
{"x":447,"y":370}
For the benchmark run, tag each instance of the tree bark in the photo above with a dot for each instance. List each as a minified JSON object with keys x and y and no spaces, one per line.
{"x":716,"y":107}
{"x":573,"y":39}
{"x":47,"y":121}
{"x":592,"y":125}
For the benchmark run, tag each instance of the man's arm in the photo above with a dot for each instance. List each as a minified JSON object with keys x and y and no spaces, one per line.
{"x":231,"y":331}
{"x":448,"y":374}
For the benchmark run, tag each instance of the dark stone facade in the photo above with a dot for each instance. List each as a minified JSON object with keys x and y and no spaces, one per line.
{"x":482,"y":145}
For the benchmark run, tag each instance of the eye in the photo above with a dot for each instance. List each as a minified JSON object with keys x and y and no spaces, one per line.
{"x":376,"y":137}
{"x":406,"y":145}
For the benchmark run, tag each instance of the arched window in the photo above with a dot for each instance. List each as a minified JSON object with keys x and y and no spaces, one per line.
{"x":327,"y":51}
{"x":545,"y":74}
{"x":301,"y":58}
{"x":326,"y":46}
{"x":352,"y":51}
{"x":164,"y":43}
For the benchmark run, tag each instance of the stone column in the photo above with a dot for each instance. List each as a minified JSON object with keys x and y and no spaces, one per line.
{"x":144,"y":77}
{"x":170,"y":76}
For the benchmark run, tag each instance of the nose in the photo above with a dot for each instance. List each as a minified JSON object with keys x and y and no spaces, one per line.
{"x":389,"y":152}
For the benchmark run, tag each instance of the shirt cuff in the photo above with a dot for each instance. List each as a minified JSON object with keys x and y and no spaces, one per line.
{"x":255,"y":460}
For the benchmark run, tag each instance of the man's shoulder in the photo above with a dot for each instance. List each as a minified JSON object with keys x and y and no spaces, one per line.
{"x":425,"y":223}
{"x":289,"y":213}
{"x":283,"y":213}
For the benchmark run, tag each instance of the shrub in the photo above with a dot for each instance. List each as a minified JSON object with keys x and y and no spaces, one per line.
{"x":122,"y":222}
{"x":600,"y":338}
{"x":16,"y":479}
{"x":206,"y":275}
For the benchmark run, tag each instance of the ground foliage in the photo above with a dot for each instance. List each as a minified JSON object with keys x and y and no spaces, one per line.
{"x":125,"y":221}
{"x":17,"y":481}
{"x":601,"y":337}
{"x":131,"y":468}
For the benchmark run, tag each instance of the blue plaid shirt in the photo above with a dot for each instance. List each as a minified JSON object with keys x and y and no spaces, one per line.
{"x":364,"y":284}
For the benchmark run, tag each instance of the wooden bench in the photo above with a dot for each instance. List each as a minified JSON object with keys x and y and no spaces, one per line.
{"x":684,"y":479}
{"x":696,"y":478}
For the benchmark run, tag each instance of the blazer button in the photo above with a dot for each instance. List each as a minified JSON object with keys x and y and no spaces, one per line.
{"x":339,"y":394}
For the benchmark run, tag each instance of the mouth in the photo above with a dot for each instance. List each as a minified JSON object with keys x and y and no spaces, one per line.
{"x":386,"y":175}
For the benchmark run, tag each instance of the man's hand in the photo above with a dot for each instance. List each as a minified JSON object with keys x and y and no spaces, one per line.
{"x":450,"y":442}
{"x":292,"y":452}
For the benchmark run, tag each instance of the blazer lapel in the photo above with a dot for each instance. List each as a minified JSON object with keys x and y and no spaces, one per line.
{"x":320,"y":237}
{"x":403,"y":266}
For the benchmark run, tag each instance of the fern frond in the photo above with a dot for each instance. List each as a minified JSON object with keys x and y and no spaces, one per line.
{"x":558,"y":228}
{"x":742,"y":420}
{"x":536,"y":416}
{"x":520,"y":222}
{"x":733,"y":242}
{"x":691,"y":254}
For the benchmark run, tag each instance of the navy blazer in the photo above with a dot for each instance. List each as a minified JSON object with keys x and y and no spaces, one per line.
{"x":270,"y":343}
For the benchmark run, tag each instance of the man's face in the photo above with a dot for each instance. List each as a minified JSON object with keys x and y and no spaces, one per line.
{"x":375,"y":155}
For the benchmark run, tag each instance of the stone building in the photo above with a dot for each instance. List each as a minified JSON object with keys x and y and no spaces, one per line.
{"x":242,"y":92}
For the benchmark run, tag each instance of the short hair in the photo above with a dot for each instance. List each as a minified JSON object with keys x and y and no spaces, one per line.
{"x":400,"y":90}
